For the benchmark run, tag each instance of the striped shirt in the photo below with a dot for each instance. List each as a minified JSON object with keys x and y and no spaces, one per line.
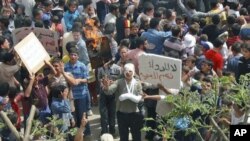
{"x":79,"y":70}
{"x":174,"y":46}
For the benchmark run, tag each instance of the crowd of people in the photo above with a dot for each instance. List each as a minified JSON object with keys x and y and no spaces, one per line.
{"x":211,"y":42}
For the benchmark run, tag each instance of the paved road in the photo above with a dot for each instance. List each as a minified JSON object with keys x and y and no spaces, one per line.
{"x":96,"y":127}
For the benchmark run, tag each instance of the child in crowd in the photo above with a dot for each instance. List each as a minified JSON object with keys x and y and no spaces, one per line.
{"x":71,"y":14}
{"x":4,"y":99}
{"x":61,"y":106}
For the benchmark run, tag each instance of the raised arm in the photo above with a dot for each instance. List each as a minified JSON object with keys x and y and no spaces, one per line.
{"x":28,"y":90}
{"x":69,"y":78}
{"x":109,"y":87}
{"x":182,"y":6}
{"x":202,"y":14}
{"x":79,"y":134}
{"x":50,"y":66}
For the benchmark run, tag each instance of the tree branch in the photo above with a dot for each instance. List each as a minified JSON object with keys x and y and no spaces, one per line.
{"x":29,"y":123}
{"x":246,"y":116}
{"x":10,"y":126}
{"x":224,"y":137}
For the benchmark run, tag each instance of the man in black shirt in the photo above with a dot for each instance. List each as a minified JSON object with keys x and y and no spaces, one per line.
{"x":244,"y":61}
{"x":122,"y":24}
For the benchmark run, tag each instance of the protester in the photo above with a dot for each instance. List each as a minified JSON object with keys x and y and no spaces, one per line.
{"x":80,"y":91}
{"x":208,"y":45}
{"x":60,"y":106}
{"x":71,"y":14}
{"x":128,"y":114}
{"x":107,"y":105}
{"x":243,"y":66}
{"x":8,"y":68}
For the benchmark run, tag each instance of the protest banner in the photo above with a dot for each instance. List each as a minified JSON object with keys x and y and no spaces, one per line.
{"x":48,"y":38}
{"x":32,"y":53}
{"x":159,"y":69}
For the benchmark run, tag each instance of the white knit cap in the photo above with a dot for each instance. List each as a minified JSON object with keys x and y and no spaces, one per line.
{"x":107,"y":137}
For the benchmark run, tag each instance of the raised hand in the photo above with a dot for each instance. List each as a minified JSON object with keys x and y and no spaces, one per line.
{"x":61,"y":67}
{"x":84,"y":120}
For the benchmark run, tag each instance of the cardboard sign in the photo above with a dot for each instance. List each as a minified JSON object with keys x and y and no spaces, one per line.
{"x":160,"y":69}
{"x":48,"y":38}
{"x":32,"y":53}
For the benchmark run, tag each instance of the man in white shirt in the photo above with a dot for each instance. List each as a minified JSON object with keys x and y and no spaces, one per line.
{"x":29,"y":4}
{"x":112,"y":15}
{"x":147,"y":13}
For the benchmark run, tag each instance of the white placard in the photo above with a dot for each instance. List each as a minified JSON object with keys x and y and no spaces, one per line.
{"x":32,"y":53}
{"x":156,"y":69}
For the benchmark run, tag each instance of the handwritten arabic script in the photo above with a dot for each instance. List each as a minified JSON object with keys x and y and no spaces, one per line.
{"x":159,"y":69}
{"x":164,"y":67}
{"x":48,"y":38}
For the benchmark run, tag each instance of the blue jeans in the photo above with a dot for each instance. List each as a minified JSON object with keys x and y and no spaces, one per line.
{"x":81,"y":106}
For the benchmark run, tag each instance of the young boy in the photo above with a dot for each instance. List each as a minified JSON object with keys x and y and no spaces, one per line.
{"x":71,"y":14}
{"x":46,"y":17}
{"x":61,"y":106}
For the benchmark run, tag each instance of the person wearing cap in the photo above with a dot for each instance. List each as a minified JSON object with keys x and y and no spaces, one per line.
{"x":206,"y":46}
{"x":80,"y":91}
{"x":128,"y":93}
